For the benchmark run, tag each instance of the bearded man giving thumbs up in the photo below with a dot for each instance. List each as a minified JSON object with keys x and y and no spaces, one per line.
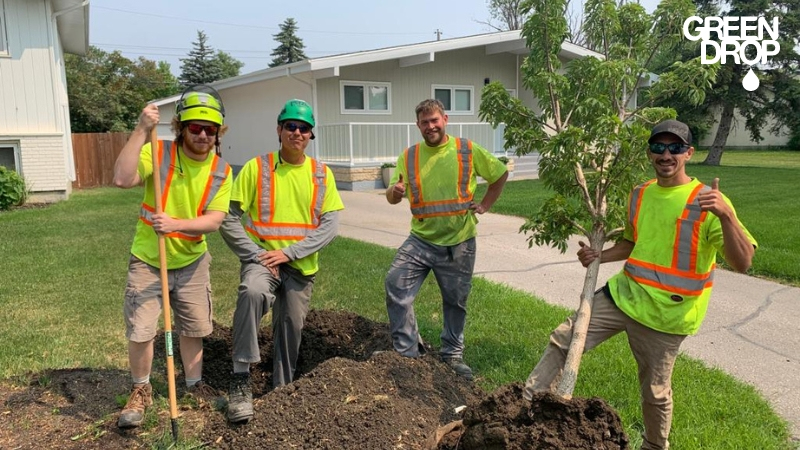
{"x":439,"y":177}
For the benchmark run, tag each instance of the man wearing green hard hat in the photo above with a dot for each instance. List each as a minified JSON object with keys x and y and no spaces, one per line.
{"x":195,"y":193}
{"x":290,"y":207}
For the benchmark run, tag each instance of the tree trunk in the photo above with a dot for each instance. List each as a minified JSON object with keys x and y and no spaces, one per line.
{"x":570,"y":374}
{"x":714,"y":157}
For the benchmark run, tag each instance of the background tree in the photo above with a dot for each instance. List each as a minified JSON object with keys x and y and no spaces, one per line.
{"x":591,"y":136}
{"x":228,"y":65}
{"x":200,"y":65}
{"x":507,"y":15}
{"x":779,"y":89}
{"x":290,"y":46}
{"x":107,"y":91}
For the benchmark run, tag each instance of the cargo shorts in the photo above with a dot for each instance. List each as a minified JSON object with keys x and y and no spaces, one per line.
{"x":189,"y":298}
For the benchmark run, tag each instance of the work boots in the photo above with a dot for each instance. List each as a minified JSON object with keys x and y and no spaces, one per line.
{"x":240,"y":399}
{"x":133,"y":414}
{"x":457,"y":364}
{"x":203,"y":393}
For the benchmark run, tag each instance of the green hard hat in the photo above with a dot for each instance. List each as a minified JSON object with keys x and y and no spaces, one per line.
{"x":200,"y":104}
{"x":296,"y":109}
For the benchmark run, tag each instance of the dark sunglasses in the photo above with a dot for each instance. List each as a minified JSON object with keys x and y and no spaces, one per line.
{"x":291,"y":127}
{"x":676,"y":148}
{"x":196,"y":128}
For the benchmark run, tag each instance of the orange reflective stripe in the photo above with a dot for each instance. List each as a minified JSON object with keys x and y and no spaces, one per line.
{"x":169,"y":165}
{"x":412,"y":171}
{"x":634,"y":205}
{"x":264,"y":226}
{"x":448,"y":207}
{"x":681,"y":276}
{"x":167,"y":160}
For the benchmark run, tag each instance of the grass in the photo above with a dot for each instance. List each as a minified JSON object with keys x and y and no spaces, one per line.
{"x":761,"y":185}
{"x":62,"y":278}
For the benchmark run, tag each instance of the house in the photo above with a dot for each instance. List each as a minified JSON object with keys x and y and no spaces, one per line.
{"x":35,"y":135}
{"x":364,"y":102}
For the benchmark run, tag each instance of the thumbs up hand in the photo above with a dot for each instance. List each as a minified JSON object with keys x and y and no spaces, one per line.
{"x":713,"y":202}
{"x":397,"y":191}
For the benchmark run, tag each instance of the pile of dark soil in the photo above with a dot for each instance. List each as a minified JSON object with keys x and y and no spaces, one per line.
{"x":344,"y":397}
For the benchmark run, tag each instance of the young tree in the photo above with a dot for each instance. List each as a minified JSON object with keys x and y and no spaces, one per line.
{"x":290,"y":48}
{"x":591,"y":135}
{"x":200,"y":66}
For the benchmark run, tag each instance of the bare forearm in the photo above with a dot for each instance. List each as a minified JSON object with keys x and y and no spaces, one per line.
{"x":207,"y":223}
{"x":493,"y":192}
{"x":620,"y":251}
{"x":738,"y":249}
{"x":125,"y":175}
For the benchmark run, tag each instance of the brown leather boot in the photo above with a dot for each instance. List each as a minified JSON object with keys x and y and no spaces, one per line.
{"x":133,"y":414}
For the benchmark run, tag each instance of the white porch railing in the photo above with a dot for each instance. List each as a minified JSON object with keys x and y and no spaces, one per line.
{"x":371,"y":143}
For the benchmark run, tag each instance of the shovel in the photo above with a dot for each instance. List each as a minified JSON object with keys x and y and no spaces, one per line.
{"x":162,"y":258}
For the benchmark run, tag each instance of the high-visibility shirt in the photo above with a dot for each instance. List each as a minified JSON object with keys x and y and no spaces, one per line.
{"x":189,"y":188}
{"x":666,"y":281}
{"x":440,"y":184}
{"x":283,"y":202}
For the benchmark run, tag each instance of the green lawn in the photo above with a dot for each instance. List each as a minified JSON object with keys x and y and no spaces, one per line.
{"x":761,"y":185}
{"x":62,"y":277}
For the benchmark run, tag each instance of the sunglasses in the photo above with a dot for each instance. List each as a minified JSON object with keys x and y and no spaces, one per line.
{"x":291,"y":127}
{"x":196,"y":128}
{"x":676,"y":148}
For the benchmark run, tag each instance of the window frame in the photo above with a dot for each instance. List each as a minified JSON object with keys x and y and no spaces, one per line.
{"x":15,"y":150}
{"x":453,"y":88}
{"x":366,"y":85}
{"x":4,"y":51}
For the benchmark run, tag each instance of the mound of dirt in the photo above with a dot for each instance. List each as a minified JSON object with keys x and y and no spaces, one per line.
{"x":345,"y":397}
{"x":505,"y":420}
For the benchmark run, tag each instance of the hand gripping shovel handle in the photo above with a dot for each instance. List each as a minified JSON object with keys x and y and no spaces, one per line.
{"x":162,"y":259}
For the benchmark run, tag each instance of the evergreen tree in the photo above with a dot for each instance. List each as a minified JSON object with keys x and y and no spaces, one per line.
{"x":291,"y":46}
{"x":200,"y":67}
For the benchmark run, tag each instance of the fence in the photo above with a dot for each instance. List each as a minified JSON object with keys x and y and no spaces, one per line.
{"x":95,"y":154}
{"x":370,"y":143}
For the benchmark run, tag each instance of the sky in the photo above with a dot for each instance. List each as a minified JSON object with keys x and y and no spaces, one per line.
{"x":163,"y":30}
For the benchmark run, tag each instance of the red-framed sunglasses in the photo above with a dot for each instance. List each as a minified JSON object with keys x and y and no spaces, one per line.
{"x":196,"y":128}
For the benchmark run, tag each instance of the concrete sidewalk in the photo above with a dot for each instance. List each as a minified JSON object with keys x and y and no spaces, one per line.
{"x":751,"y":330}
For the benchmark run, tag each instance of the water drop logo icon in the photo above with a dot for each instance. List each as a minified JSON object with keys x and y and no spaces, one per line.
{"x":750,"y":81}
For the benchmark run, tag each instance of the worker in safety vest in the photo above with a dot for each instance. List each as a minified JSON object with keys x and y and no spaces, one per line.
{"x":290,"y":207}
{"x":675,"y":226}
{"x":195,"y":193}
{"x":439,"y":177}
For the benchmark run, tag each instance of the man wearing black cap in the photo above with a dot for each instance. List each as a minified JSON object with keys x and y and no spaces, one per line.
{"x":675,"y":226}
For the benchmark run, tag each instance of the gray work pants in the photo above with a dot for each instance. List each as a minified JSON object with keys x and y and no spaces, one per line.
{"x":452,"y":266}
{"x":289,"y":297}
{"x":654,"y":351}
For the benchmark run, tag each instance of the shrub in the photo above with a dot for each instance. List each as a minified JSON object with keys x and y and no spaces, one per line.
{"x":388,"y":165}
{"x":12,"y":189}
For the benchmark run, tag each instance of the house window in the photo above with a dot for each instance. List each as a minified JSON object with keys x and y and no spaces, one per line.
{"x":366,"y":97}
{"x":9,"y":156}
{"x":456,"y":99}
{"x":3,"y":40}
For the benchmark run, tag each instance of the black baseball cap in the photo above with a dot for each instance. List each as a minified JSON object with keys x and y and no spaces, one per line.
{"x":674,"y":127}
